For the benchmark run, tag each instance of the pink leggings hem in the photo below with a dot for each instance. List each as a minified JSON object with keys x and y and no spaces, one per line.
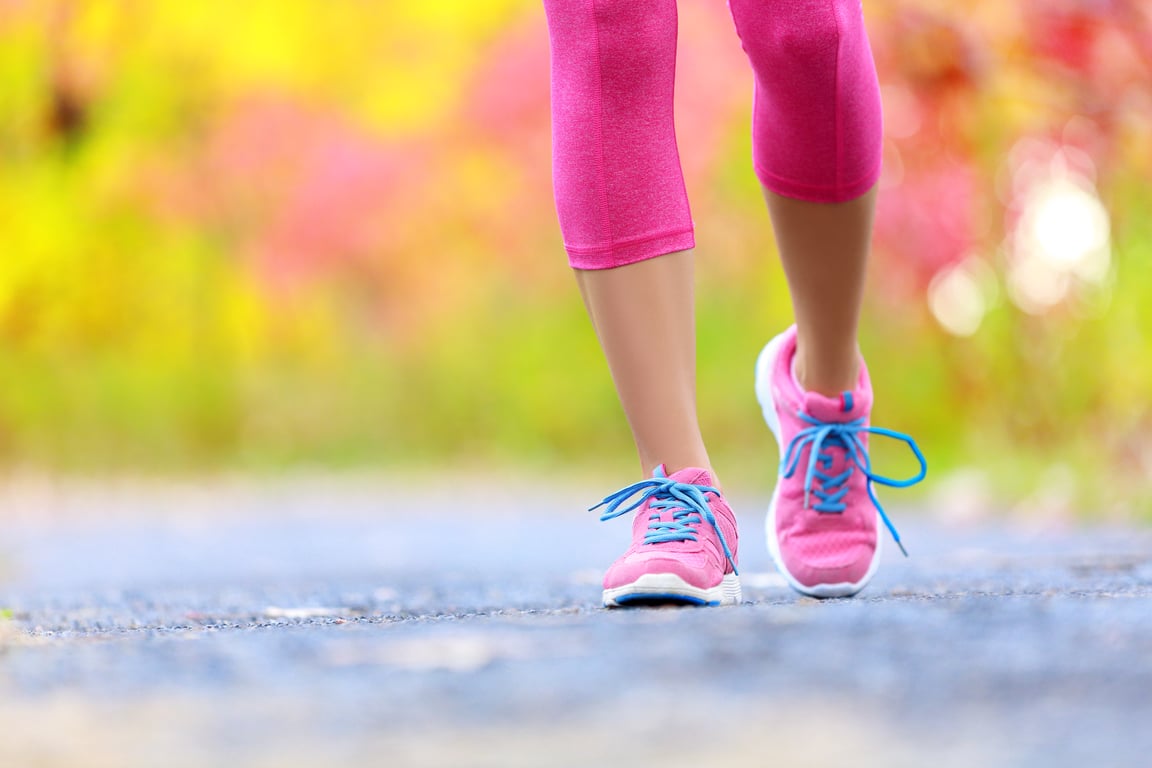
{"x":630,"y":252}
{"x":818,"y":194}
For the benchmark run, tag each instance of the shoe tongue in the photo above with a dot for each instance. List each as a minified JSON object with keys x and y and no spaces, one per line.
{"x":847,"y":407}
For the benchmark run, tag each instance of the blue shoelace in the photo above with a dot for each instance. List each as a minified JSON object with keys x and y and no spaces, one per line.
{"x":823,"y":435}
{"x":685,"y":501}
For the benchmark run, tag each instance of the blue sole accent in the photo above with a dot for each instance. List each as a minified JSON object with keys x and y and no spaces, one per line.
{"x":662,"y":599}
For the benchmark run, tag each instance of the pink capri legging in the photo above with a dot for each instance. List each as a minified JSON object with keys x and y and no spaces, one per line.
{"x":619,"y":187}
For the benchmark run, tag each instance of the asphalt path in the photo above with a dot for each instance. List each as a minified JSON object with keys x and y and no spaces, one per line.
{"x":312,"y":623}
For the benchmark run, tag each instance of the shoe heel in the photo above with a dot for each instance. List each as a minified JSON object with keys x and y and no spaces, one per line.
{"x":764,"y":363}
{"x":732,"y":594}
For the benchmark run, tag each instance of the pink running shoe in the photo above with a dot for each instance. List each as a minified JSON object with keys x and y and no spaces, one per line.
{"x":683,"y":542}
{"x":824,"y":518}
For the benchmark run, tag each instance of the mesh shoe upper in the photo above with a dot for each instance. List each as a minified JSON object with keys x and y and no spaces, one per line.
{"x":825,"y":512}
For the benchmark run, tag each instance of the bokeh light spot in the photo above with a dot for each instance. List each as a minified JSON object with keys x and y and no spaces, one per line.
{"x":960,"y":295}
{"x":1062,"y":234}
{"x":1066,"y":225}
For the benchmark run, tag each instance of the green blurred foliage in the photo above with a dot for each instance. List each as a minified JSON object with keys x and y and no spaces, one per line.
{"x":271,"y":235}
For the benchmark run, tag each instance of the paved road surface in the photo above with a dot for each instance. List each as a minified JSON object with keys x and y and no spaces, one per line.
{"x":315,"y":624}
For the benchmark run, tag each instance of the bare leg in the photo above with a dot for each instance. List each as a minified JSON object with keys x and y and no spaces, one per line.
{"x":644,"y":317}
{"x":824,"y":248}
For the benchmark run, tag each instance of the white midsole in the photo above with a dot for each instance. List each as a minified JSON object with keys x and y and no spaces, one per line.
{"x":768,"y":405}
{"x":727,"y":592}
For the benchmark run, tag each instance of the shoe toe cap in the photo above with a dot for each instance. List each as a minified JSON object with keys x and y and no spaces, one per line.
{"x":818,"y":561}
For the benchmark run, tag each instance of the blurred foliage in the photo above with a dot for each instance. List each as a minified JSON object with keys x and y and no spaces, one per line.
{"x":303,"y":232}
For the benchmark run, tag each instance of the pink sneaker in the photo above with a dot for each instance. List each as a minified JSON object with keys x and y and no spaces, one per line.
{"x":823,"y":520}
{"x":683,"y":543}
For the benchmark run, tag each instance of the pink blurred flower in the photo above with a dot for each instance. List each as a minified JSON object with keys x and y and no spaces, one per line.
{"x":931,"y":52}
{"x":1064,"y":33}
{"x":301,"y":192}
{"x":926,"y":222}
{"x":506,"y":98}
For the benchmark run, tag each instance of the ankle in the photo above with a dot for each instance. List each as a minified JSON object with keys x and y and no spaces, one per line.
{"x":827,"y":376}
{"x":675,"y":466}
{"x":672,"y":467}
{"x":676,"y":451}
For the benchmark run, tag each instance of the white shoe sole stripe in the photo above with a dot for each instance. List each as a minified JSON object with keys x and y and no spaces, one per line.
{"x":727,"y":592}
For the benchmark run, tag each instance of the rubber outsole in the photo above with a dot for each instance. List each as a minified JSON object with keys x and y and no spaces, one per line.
{"x":665,"y":588}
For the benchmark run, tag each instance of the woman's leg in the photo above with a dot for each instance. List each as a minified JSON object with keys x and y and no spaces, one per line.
{"x":644,"y":319}
{"x":624,"y":211}
{"x":628,"y":231}
{"x":816,"y":141}
{"x":817,"y":146}
{"x":824,"y":249}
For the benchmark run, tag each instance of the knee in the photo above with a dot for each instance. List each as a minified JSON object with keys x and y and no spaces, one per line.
{"x":799,"y":32}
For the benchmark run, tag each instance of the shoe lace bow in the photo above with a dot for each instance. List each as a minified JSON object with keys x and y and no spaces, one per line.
{"x":686,"y":502}
{"x":821,"y":436}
